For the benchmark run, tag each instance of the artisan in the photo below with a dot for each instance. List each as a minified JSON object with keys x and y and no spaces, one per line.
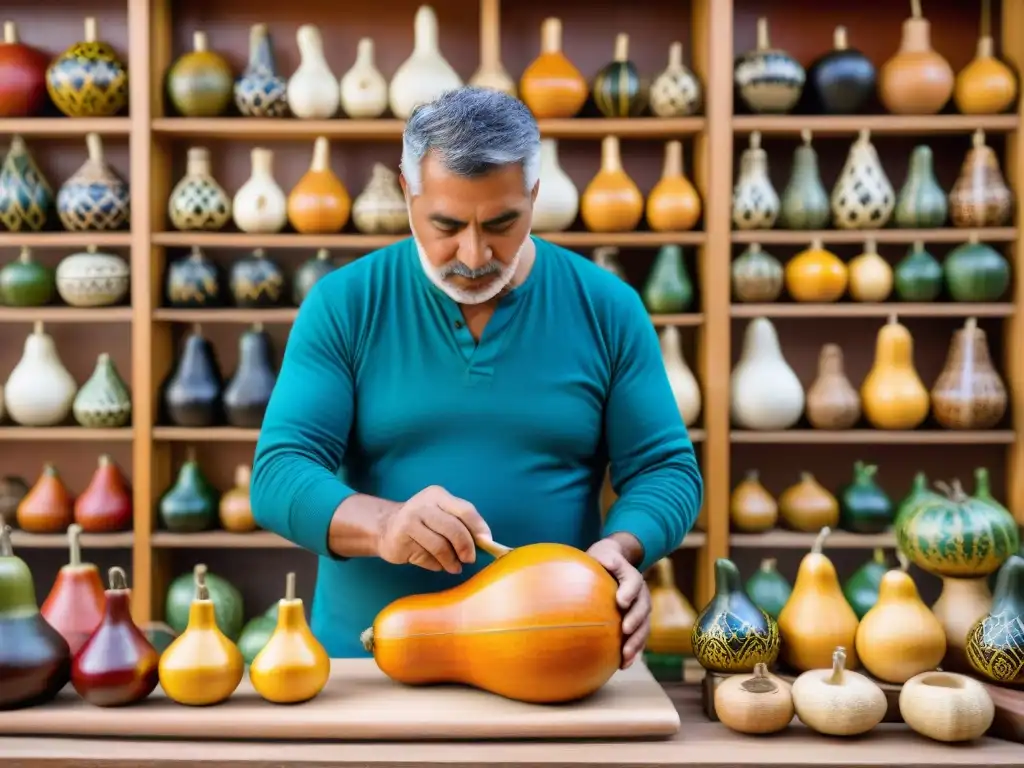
{"x":470,"y":381}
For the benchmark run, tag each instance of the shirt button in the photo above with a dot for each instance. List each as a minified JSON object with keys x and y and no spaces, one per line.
{"x":458,"y":324}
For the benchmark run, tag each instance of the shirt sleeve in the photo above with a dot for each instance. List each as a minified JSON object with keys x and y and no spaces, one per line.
{"x":654,"y":469}
{"x":295,"y":488}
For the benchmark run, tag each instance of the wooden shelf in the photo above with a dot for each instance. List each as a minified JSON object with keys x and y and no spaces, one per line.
{"x":881,"y":236}
{"x":205,"y":434}
{"x":62,"y":240}
{"x":66,"y":434}
{"x":876,"y":437}
{"x":220,"y":540}
{"x":59,"y":127}
{"x":23,"y":540}
{"x":65,"y":314}
{"x":796,"y":540}
{"x":287,"y":129}
{"x":823,"y":125}
{"x":694,"y":540}
{"x":883,"y":309}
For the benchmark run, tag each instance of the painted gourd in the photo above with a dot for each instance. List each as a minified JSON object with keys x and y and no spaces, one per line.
{"x":89,"y":79}
{"x":842,"y":81}
{"x":676,"y":91}
{"x":768,"y":588}
{"x":804,"y":200}
{"x":768,"y":80}
{"x":25,"y":282}
{"x":95,"y":197}
{"x":193,"y":281}
{"x":995,"y":645}
{"x":26,"y":197}
{"x":91,"y":278}
{"x":105,"y":505}
{"x":986,"y":86}
{"x":380,"y":208}
{"x":551,"y":86}
{"x":612,"y":201}
{"x":200,"y":82}
{"x":22,"y":76}
{"x":456,"y":636}
{"x":863,"y":197}
{"x":969,"y":393}
{"x":917,"y":80}
{"x":256,"y":281}
{"x":921,"y":202}
{"x":48,"y":506}
{"x":617,"y":89}
{"x":980,"y":196}
{"x":673,"y":205}
{"x":757,"y":276}
{"x":918,"y":276}
{"x":893,"y":395}
{"x":261,"y":91}
{"x":816,"y":275}
{"x":198,"y":202}
{"x":954,"y":535}
{"x":976,"y":272}
{"x":919,"y":491}
{"x":755,"y":203}
{"x":103,"y":401}
{"x":732,"y":634}
{"x":864,"y":507}
{"x":861,"y":589}
{"x":228,"y":604}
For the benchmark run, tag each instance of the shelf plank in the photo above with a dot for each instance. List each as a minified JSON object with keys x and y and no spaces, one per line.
{"x":286,"y":129}
{"x":205,"y":434}
{"x":373,"y":242}
{"x":798,"y":540}
{"x":876,"y":437}
{"x":881,"y":236}
{"x":65,"y":434}
{"x":883,"y":309}
{"x":694,"y":540}
{"x":62,"y":240}
{"x":823,"y":125}
{"x":58,"y":127}
{"x":697,"y":435}
{"x":66,"y":314}
{"x":23,"y":540}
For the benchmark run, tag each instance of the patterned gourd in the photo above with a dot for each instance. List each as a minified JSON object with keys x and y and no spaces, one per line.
{"x":88,"y":79}
{"x":95,"y":198}
{"x":261,"y":91}
{"x":757,"y":276}
{"x":995,"y":644}
{"x":732,"y":634}
{"x":26,"y":197}
{"x":954,"y":535}
{"x":617,"y":89}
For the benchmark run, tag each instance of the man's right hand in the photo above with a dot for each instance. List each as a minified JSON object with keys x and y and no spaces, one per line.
{"x":433,"y":530}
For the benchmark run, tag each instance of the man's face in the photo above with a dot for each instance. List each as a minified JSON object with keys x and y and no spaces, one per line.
{"x":471,"y":230}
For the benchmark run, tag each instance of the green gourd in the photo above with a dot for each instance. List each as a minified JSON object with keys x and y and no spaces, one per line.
{"x":255,"y":635}
{"x":26,"y":198}
{"x":732,"y":634}
{"x":228,"y":605}
{"x":309,"y":273}
{"x":983,"y":492}
{"x":918,"y":276}
{"x":757,"y":276}
{"x":190,"y":505}
{"x":919,"y":490}
{"x":861,"y":589}
{"x":995,"y":644}
{"x":921,"y":203}
{"x":768,"y":588}
{"x":668,"y":288}
{"x":863,"y":506}
{"x":26,"y":283}
{"x":976,"y":272}
{"x":804,"y":203}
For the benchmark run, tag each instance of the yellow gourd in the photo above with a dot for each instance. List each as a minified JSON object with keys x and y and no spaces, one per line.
{"x":673,"y":205}
{"x":808,"y":505}
{"x":893,"y":395}
{"x":201,"y":666}
{"x":986,"y":86}
{"x":293,"y":666}
{"x":762,"y":703}
{"x":871,"y":277}
{"x":837,"y":702}
{"x":817,"y":618}
{"x":816,"y":275}
{"x":751,"y":508}
{"x":672,"y":616}
{"x":611,"y":201}
{"x":899,"y":637}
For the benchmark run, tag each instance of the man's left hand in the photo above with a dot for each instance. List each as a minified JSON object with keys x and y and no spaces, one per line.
{"x":632,"y":596}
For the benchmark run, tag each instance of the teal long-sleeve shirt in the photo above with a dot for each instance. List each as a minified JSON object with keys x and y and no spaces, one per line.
{"x":383,"y":385}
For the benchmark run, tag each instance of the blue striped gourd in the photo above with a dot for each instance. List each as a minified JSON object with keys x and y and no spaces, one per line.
{"x":617,"y":89}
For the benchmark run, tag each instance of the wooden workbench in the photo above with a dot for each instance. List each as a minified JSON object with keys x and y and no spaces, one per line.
{"x":698,"y":743}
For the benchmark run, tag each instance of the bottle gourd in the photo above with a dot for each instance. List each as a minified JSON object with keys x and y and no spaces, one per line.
{"x":893,"y":395}
{"x":672,"y":616}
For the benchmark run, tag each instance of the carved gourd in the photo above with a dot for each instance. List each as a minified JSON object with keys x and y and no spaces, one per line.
{"x":980,"y":197}
{"x":40,"y":390}
{"x":617,"y":89}
{"x":558,"y":200}
{"x":363,"y":89}
{"x":832,"y":402}
{"x":755,"y":203}
{"x":260,"y":205}
{"x":917,"y":80}
{"x":491,"y":73}
{"x":380,"y":208}
{"x":986,"y":86}
{"x":893,"y":395}
{"x":676,"y":91}
{"x":805,"y":202}
{"x":969,"y":393}
{"x":551,"y":86}
{"x":95,"y":198}
{"x":198,"y":203}
{"x":685,"y":388}
{"x":757,"y":276}
{"x":612,"y":201}
{"x":261,"y":91}
{"x":768,"y":80}
{"x":863,"y":197}
{"x":426,"y":74}
{"x":921,"y":202}
{"x":319,"y":204}
{"x":673,"y":205}
{"x":313,"y":90}
{"x":765,"y":392}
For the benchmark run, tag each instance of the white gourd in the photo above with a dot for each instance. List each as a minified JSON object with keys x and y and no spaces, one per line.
{"x":766,"y":393}
{"x":558,"y":200}
{"x":685,"y":388}
{"x":39,"y":391}
{"x":426,"y":74}
{"x":313,"y":92}
{"x":364,"y":91}
{"x":260,"y":205}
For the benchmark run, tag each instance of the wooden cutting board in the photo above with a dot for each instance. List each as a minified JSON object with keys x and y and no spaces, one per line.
{"x":360,"y":703}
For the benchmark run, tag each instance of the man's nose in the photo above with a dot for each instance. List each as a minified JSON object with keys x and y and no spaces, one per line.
{"x":473,"y":251}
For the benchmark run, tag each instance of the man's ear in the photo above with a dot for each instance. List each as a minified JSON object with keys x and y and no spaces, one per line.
{"x":401,"y":183}
{"x":536,"y":189}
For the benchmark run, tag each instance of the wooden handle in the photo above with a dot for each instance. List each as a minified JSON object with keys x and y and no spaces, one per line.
{"x":491,"y":547}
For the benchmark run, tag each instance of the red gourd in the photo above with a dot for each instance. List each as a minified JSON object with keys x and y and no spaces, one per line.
{"x":117,"y":665}
{"x":76,"y":601}
{"x":48,"y":506}
{"x":105,"y":505}
{"x":22,"y":76}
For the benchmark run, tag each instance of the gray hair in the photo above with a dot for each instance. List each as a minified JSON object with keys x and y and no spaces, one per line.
{"x":473,"y":131}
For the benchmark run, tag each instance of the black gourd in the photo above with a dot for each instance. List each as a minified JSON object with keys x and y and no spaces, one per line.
{"x":307,"y":275}
{"x":863,"y":506}
{"x":842,"y":81}
{"x":248,"y":393}
{"x":193,"y":281}
{"x":192,"y":394}
{"x":257,"y":281}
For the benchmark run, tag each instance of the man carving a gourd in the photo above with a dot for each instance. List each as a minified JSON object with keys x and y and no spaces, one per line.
{"x":470,"y":381}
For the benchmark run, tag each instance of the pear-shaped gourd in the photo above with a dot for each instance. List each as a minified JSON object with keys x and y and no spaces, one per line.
{"x":202,"y":666}
{"x":313,"y":90}
{"x":105,"y":505}
{"x":805,"y":203}
{"x":832,"y":402}
{"x":48,"y":506}
{"x":672,"y":616}
{"x":863,"y":197}
{"x":673,"y":205}
{"x":319,"y":204}
{"x":380,"y":208}
{"x":969,"y":393}
{"x":893,"y":395}
{"x":676,"y":91}
{"x":757,"y":276}
{"x":768,"y":588}
{"x":835,"y":701}
{"x":917,"y":80}
{"x":918,"y":276}
{"x":26,"y":197}
{"x":870,"y":276}
{"x":986,"y":86}
{"x":765,"y":393}
{"x":617,"y":90}
{"x":558,"y":200}
{"x":755,"y":203}
{"x":921,"y":202}
{"x":611,"y":201}
{"x":685,"y":388}
{"x":103,"y":402}
{"x":980,"y":197}
{"x":192,"y":393}
{"x":817,"y":617}
{"x":248,"y":393}
{"x":426,"y":74}
{"x":751,"y":508}
{"x":40,"y":391}
{"x":491,"y":72}
{"x":995,"y":644}
{"x":190,"y":505}
{"x":364,"y":91}
{"x":899,"y":637}
{"x":808,"y":506}
{"x":668,"y":289}
{"x":259,"y":205}
{"x":551,"y":86}
{"x":200,"y":81}
{"x":235,"y":508}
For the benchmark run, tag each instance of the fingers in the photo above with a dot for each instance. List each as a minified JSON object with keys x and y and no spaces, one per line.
{"x":631,"y":585}
{"x":463,"y":510}
{"x":638,"y":611}
{"x":636,"y":642}
{"x":424,"y":559}
{"x":454,"y":531}
{"x":436,"y":545}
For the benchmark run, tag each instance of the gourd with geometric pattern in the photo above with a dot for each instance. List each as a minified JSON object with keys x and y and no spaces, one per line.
{"x":995,"y":645}
{"x":980,"y":196}
{"x":26,"y":198}
{"x":95,"y":198}
{"x":676,"y":92}
{"x":197,"y":202}
{"x":618,"y":90}
{"x":89,"y":79}
{"x":755,"y":203}
{"x":863,"y":197}
{"x":91,"y":278}
{"x":261,"y":91}
{"x":103,"y":402}
{"x":768,"y":80}
{"x":380,"y":208}
{"x":193,"y":281}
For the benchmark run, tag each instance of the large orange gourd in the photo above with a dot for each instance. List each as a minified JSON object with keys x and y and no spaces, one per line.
{"x":540,"y":624}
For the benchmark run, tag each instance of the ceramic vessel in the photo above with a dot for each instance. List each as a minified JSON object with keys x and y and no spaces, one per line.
{"x":755,"y":203}
{"x":558,"y":200}
{"x":26,"y":198}
{"x":39,"y":391}
{"x":863,"y":197}
{"x":95,"y":198}
{"x":103,"y":402}
{"x":92,"y":279}
{"x":260,"y":205}
{"x":89,"y":79}
{"x":768,"y":80}
{"x":197,"y":202}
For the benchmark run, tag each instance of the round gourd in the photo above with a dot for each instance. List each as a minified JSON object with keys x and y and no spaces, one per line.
{"x":756,"y":276}
{"x":227,"y":603}
{"x":758,"y":703}
{"x":976,"y":272}
{"x":955,"y":535}
{"x":816,"y":275}
{"x":617,"y":89}
{"x":540,"y":624}
{"x":837,"y":702}
{"x":946,"y":707}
